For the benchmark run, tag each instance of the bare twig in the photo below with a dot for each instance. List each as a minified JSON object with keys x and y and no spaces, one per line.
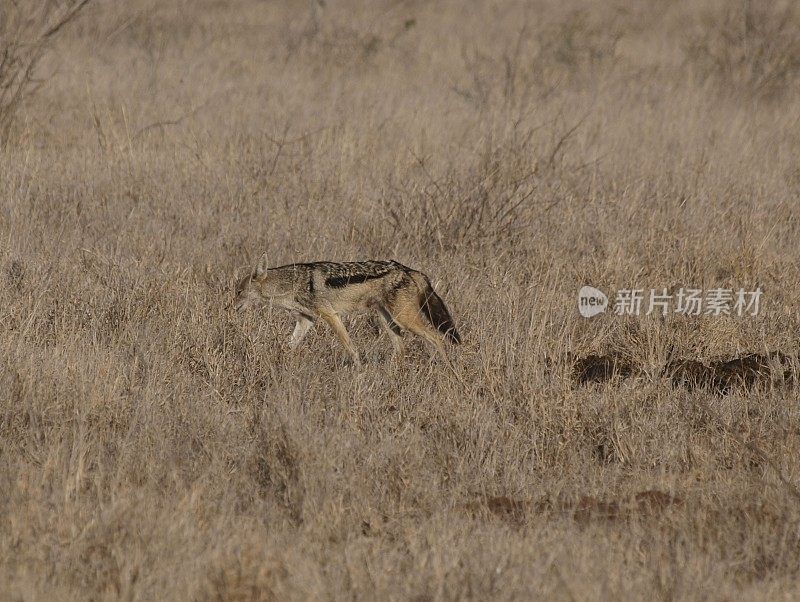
{"x":169,"y":122}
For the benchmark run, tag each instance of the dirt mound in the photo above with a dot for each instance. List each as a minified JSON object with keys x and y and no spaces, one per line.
{"x":602,"y":368}
{"x":721,"y":376}
{"x":724,"y":375}
{"x":584,"y":509}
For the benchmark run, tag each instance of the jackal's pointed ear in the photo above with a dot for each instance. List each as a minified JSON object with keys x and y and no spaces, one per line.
{"x":262,"y":267}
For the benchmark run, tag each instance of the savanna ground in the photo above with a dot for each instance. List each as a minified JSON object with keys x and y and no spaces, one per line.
{"x":154,"y":445}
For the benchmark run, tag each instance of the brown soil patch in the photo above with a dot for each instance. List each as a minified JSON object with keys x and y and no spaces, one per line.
{"x":602,"y":368}
{"x":721,"y":376}
{"x":585,"y":509}
{"x":724,"y":375}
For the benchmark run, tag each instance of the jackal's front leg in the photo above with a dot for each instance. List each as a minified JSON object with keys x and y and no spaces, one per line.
{"x":301,"y":328}
{"x":335,"y":322}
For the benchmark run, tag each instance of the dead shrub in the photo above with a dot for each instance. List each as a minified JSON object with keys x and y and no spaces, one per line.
{"x":750,"y":47}
{"x":27,"y":32}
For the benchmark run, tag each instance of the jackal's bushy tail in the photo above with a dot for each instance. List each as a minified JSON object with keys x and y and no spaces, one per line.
{"x":436,"y":312}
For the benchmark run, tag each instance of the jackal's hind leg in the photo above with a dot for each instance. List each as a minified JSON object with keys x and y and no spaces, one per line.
{"x":301,"y":328}
{"x":395,"y":332}
{"x":412,"y":321}
{"x":335,"y":322}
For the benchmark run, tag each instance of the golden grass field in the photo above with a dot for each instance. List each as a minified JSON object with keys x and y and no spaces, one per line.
{"x":154,"y":445}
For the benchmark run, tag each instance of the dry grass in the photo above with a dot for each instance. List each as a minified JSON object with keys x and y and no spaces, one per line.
{"x":155,"y":446}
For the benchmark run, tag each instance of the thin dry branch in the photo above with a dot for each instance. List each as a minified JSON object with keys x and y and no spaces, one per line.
{"x":24,"y":41}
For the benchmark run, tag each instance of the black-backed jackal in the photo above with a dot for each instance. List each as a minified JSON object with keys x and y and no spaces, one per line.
{"x":327,"y":290}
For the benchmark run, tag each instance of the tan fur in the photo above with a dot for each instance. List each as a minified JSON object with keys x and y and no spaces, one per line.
{"x":329,"y":290}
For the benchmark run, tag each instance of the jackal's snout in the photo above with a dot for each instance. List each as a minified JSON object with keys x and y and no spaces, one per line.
{"x":241,"y":301}
{"x":246,"y":295}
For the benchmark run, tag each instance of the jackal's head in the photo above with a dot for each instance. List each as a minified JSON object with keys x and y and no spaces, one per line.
{"x":254,"y":289}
